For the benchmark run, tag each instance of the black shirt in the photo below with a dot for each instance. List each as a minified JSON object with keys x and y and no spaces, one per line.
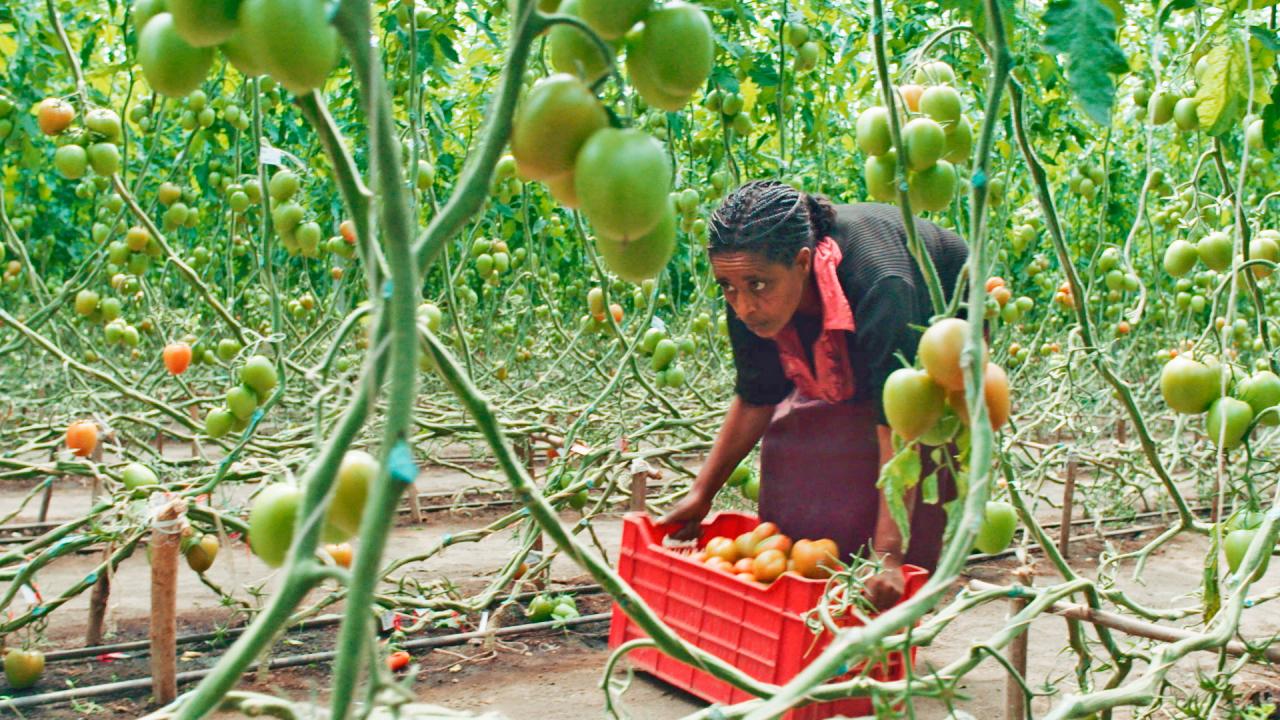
{"x":886,"y":292}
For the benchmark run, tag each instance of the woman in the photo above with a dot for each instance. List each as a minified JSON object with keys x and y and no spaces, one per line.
{"x":824,"y":302}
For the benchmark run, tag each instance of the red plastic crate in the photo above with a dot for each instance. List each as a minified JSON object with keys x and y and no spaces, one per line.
{"x":758,"y":628}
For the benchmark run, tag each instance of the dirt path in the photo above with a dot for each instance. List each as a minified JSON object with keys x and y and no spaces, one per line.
{"x":557,"y":675}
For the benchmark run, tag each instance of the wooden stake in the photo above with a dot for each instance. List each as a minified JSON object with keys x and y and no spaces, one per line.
{"x":1068,"y":500}
{"x":1015,"y":706}
{"x":166,"y":537}
{"x":1122,"y":432}
{"x":639,"y":489}
{"x":98,"y":603}
{"x":525,"y":451}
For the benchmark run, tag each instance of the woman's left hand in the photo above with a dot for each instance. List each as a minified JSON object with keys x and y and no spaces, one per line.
{"x":885,"y":588}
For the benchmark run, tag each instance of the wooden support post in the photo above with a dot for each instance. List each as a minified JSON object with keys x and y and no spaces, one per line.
{"x":639,"y":489}
{"x":98,"y":602}
{"x":1068,"y":500}
{"x":102,"y":586}
{"x":195,"y":444}
{"x":1015,"y":706}
{"x":166,"y":536}
{"x":1122,"y":432}
{"x":525,"y":450}
{"x":45,"y":499}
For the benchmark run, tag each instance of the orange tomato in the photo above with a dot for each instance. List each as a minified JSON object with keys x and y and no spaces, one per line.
{"x":994,"y":282}
{"x":616,"y":310}
{"x":744,"y":565}
{"x":745,"y":544}
{"x":348,"y":231}
{"x":814,"y":558}
{"x":723,"y":548}
{"x":911,"y":96}
{"x":177,"y":357}
{"x":1002,"y":295}
{"x":717,"y":563}
{"x":1122,"y":327}
{"x":749,"y":577}
{"x":398,"y":660}
{"x":995,"y":389}
{"x":764,"y":530}
{"x":769,"y":565}
{"x":699,"y":556}
{"x":82,"y":437}
{"x":341,"y":554}
{"x":774,"y":542}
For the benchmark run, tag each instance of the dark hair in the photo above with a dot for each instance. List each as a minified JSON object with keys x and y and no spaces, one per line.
{"x":771,"y":218}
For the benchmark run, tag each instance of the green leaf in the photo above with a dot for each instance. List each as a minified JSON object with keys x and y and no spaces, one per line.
{"x":899,"y":475}
{"x":1085,"y":31}
{"x":1172,"y":5}
{"x":1271,"y":120}
{"x":1219,"y":97}
{"x":1266,"y":37}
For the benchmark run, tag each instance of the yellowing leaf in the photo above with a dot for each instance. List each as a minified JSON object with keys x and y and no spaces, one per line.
{"x":1220,"y":102}
{"x":750,"y":91}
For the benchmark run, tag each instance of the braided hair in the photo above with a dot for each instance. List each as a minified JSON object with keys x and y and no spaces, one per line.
{"x":771,"y":218}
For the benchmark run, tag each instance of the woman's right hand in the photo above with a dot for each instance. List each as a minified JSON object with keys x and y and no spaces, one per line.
{"x":687,"y":515}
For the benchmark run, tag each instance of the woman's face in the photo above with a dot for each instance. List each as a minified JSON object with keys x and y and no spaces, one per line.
{"x":763,"y":293}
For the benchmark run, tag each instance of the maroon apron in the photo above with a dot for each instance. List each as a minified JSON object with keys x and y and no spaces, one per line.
{"x":819,"y":463}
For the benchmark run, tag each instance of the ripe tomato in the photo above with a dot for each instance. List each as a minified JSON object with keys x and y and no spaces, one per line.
{"x":558,"y":116}
{"x":939,"y":352}
{"x":171,"y":65}
{"x":994,"y":282}
{"x":201,"y":553}
{"x":203,"y":23}
{"x":1189,"y":386}
{"x":347,"y":229}
{"x":398,"y":660}
{"x":342,"y":555}
{"x":54,"y":115}
{"x":616,"y":311}
{"x":82,"y":437}
{"x":912,"y":402}
{"x":814,"y":559}
{"x":744,"y":565}
{"x":911,"y":96}
{"x":924,"y":142}
{"x":723,"y":548}
{"x":999,"y":523}
{"x":995,"y":390}
{"x":564,"y":190}
{"x":292,"y":39}
{"x":764,"y":529}
{"x":769,"y":565}
{"x":23,"y":668}
{"x":745,"y":545}
{"x":355,"y":475}
{"x":719,"y":563}
{"x":644,"y":257}
{"x":271,"y":521}
{"x":623,"y":181}
{"x":778,"y":542}
{"x":1228,"y":422}
{"x":177,"y":357}
{"x":748,"y":576}
{"x":1002,"y":295}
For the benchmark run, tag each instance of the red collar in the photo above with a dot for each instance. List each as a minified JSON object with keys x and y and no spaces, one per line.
{"x":831,"y":376}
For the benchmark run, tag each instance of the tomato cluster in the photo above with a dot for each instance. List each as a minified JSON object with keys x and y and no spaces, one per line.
{"x":663,"y":353}
{"x":1232,"y":399}
{"x":935,"y":138}
{"x":764,"y":555}
{"x":929,"y":404}
{"x":552,"y":607}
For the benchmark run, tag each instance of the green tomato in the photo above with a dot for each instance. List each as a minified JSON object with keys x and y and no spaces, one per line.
{"x":999,"y":523}
{"x":136,"y":475}
{"x":1228,"y":422}
{"x":259,"y":374}
{"x":355,"y":475}
{"x":271,"y":519}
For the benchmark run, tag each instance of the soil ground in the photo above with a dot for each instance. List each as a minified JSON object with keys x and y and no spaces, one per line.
{"x":554,"y":674}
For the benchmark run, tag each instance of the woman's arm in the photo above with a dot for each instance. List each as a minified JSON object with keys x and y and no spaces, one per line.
{"x":743,"y":426}
{"x":885,"y":588}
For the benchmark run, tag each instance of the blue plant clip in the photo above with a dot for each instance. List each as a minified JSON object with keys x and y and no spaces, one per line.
{"x":400,"y":463}
{"x":386,"y":289}
{"x":979,"y":179}
{"x":91,"y":578}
